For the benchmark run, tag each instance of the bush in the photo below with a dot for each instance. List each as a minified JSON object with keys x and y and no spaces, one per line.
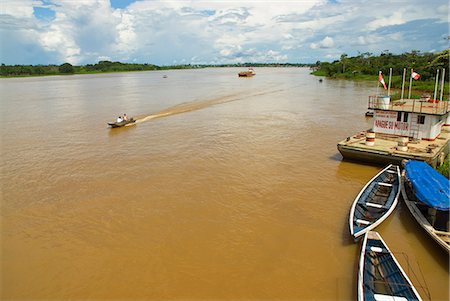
{"x":66,"y":68}
{"x":444,"y":168}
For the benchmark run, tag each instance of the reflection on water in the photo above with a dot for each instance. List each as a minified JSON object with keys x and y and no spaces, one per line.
{"x":237,"y":193}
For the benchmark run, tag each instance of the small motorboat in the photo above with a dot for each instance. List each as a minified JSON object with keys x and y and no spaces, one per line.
{"x":380,"y":276}
{"x":122,"y":123}
{"x":369,"y":114}
{"x":375,"y":202}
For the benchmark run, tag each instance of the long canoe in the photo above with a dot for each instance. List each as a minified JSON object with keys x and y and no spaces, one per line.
{"x":380,"y":276}
{"x":426,"y":194}
{"x":376,"y":201}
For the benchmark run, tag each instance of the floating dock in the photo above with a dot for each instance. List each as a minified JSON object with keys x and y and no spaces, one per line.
{"x":403,"y":129}
{"x":386,"y":149}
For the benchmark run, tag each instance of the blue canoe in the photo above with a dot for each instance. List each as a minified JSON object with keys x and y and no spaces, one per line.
{"x":380,"y":276}
{"x":375,"y":202}
{"x":426,"y":193}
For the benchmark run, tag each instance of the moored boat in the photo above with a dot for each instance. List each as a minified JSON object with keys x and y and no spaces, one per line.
{"x":427,"y":196}
{"x":248,"y":73}
{"x":380,"y":276}
{"x":120,"y":124}
{"x":369,"y":113}
{"x":376,"y":201}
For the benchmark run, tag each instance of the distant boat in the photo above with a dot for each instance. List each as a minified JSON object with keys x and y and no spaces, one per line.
{"x":248,"y":73}
{"x":164,"y":76}
{"x":375,"y":202}
{"x":120,"y":124}
{"x":380,"y":276}
{"x":427,"y":196}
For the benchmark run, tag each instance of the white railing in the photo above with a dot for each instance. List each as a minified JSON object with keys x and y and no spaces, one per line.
{"x":409,"y":105}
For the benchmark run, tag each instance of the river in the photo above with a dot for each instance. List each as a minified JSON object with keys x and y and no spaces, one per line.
{"x":226,"y":188}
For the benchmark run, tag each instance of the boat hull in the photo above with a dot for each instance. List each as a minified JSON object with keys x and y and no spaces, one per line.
{"x":375,"y":202}
{"x":121,"y":124}
{"x":246,"y":74}
{"x":380,"y":276}
{"x":442,"y":238}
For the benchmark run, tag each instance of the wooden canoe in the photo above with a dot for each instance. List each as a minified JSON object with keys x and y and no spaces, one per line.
{"x":375,"y":202}
{"x":380,"y":276}
{"x":435,"y":222}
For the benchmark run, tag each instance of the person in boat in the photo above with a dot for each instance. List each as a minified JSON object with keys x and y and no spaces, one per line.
{"x":125,"y":117}
{"x":119,"y":119}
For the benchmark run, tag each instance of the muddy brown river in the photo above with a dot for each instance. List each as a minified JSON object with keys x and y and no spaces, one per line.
{"x":226,"y":188}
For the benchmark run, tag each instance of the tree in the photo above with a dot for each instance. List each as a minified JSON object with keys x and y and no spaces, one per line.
{"x":343,"y":61}
{"x":66,"y":68}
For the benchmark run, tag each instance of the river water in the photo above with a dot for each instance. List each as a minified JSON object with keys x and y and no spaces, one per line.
{"x":226,"y":188}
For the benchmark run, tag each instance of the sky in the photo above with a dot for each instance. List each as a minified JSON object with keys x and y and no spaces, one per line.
{"x":164,"y":32}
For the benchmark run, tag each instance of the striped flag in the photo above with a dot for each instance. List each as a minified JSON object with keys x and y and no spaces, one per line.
{"x":415,"y":75}
{"x":381,"y":80}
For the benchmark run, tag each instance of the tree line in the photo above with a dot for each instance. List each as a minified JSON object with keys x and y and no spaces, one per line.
{"x":66,"y":68}
{"x":366,"y":63}
{"x":107,"y":66}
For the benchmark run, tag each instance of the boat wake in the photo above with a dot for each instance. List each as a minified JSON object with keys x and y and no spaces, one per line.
{"x":199,"y":104}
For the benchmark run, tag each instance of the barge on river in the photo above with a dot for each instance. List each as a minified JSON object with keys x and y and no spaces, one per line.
{"x":417,"y":129}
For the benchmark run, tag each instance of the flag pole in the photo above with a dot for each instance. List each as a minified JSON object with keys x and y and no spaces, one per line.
{"x":403,"y":83}
{"x":378,"y":84}
{"x":389,"y":86}
{"x":436,"y":85}
{"x":410,"y":83}
{"x":442,"y":83}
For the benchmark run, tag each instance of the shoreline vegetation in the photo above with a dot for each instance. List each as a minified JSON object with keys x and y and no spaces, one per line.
{"x":363,"y":67}
{"x":108,"y":67}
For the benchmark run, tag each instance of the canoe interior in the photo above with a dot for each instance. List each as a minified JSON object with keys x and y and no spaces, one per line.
{"x":382,"y":274}
{"x":377,"y":199}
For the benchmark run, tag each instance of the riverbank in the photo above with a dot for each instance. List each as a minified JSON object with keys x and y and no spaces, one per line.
{"x":7,"y":71}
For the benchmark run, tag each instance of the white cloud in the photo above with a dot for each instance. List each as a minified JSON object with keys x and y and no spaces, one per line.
{"x":327,"y":42}
{"x":160,"y":32}
{"x":19,"y":8}
{"x":393,"y":19}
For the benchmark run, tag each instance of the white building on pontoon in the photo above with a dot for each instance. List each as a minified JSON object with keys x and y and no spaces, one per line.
{"x":414,"y":118}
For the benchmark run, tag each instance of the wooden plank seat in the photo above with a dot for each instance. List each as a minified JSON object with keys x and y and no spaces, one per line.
{"x":363,"y":222}
{"x":379,"y":206}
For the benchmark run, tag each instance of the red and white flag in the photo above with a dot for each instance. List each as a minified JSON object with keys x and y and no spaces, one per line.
{"x":381,"y":80}
{"x":415,"y":75}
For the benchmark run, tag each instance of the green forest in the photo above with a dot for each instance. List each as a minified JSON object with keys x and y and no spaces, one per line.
{"x":365,"y":66}
{"x":66,"y":68}
{"x":107,"y":66}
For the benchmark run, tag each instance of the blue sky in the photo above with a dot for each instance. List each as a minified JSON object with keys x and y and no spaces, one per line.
{"x":166,"y":32}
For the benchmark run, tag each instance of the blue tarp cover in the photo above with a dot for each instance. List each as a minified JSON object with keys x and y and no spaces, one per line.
{"x":430,"y":187}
